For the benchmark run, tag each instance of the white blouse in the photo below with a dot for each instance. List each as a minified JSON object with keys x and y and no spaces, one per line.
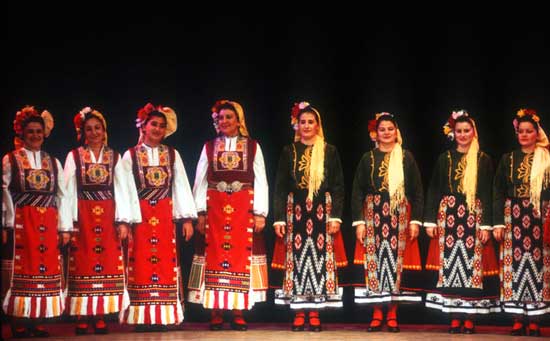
{"x":261,"y":188}
{"x":123,"y":209}
{"x":183,"y":205}
{"x":65,"y":222}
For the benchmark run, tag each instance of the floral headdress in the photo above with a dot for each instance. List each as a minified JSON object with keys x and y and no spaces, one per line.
{"x":316,"y":165}
{"x":295,"y":113}
{"x":169,"y":113}
{"x":525,"y":112}
{"x":469,"y":179}
{"x":23,"y":115}
{"x":239,"y":111}
{"x":540,"y":169}
{"x":449,"y":126}
{"x":81,"y":116}
{"x":372,"y":124}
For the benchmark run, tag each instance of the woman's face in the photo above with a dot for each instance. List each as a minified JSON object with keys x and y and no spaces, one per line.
{"x":464,"y":134}
{"x":386,"y":133}
{"x":33,"y":136}
{"x":154,"y":131}
{"x":527,"y":134}
{"x":228,"y":122}
{"x":308,"y":126}
{"x":94,"y":132}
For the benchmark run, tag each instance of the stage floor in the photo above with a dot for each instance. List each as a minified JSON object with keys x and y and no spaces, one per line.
{"x":279,"y":331}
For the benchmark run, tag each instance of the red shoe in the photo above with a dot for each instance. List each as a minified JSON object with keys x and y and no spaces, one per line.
{"x":238,"y":323}
{"x":216,"y":320}
{"x":299,"y":321}
{"x":314,"y":321}
{"x":100,"y":327}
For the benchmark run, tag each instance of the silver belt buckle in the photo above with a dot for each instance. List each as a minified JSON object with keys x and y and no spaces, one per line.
{"x":236,"y":186}
{"x":222,"y":186}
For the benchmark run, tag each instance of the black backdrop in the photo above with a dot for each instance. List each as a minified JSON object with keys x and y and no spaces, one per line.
{"x":348,"y":66}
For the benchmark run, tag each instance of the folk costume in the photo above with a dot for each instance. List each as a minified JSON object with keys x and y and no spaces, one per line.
{"x":35,"y":209}
{"x":309,"y":195}
{"x":161,"y":191}
{"x":521,"y":207}
{"x":229,"y":270}
{"x":459,"y":207}
{"x":387,"y":197}
{"x":97,"y":187}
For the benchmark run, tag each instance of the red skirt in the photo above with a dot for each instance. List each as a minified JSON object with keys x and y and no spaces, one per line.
{"x":35,"y":289}
{"x":153,"y":271}
{"x":96,"y":272}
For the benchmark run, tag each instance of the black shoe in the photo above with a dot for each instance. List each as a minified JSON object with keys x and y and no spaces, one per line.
{"x":315,"y":328}
{"x":102,"y":331}
{"x":454,"y":330}
{"x":469,"y":330}
{"x":40,"y":332}
{"x":21,"y":334}
{"x":81,"y":330}
{"x":518,"y":332}
{"x":216,"y":326}
{"x":142,"y":328}
{"x":376,"y":328}
{"x":239,"y":326}
{"x":299,"y":328}
{"x":393,"y":329}
{"x":534,"y":332}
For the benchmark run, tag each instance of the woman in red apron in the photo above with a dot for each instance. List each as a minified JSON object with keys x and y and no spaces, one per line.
{"x":35,"y":208}
{"x":97,"y":186}
{"x":229,"y":269}
{"x":160,"y":192}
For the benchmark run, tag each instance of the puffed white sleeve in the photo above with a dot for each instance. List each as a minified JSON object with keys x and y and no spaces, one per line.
{"x":130,"y":188}
{"x":261,"y":187}
{"x":69,"y":172}
{"x":8,"y":210}
{"x":201,"y":182}
{"x":64,"y":209}
{"x":123,"y":203}
{"x":183,"y":203}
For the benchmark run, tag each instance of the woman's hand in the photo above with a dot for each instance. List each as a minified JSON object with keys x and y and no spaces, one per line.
{"x":361,"y":233}
{"x":201,"y":223}
{"x":259,"y":223}
{"x":413,"y":230}
{"x":122,"y":231}
{"x":498,"y":233}
{"x":333,"y":227}
{"x":279,"y":230}
{"x":187,"y":230}
{"x":484,"y":236}
{"x":431,"y":231}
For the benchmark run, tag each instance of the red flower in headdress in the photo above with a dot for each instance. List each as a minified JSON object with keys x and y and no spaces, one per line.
{"x":21,"y":116}
{"x":525,"y":112}
{"x":295,"y":111}
{"x":143,"y":113}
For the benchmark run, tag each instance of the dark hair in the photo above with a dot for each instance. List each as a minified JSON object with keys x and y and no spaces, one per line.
{"x":464,"y":118}
{"x":88,"y":117}
{"x":154,"y":113}
{"x":309,"y":109}
{"x":227,"y":106}
{"x":33,"y":118}
{"x":528,"y":118}
{"x":389,"y":118}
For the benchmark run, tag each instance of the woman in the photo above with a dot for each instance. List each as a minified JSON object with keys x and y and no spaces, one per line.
{"x":458,"y":217}
{"x":520,"y":197}
{"x":309,"y":197}
{"x":164,"y":198}
{"x":231,"y":193}
{"x":35,"y":209}
{"x":387,"y":203}
{"x":97,"y":186}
